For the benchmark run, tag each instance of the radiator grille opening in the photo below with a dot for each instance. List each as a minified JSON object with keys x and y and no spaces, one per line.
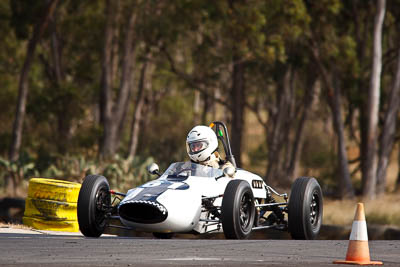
{"x":140,"y":212}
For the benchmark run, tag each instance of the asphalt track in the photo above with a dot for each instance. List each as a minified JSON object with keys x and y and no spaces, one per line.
{"x":56,"y":250}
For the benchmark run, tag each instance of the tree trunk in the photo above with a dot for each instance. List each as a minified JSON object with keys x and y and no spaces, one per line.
{"x":334,"y":101}
{"x":388,"y":131}
{"x":23,"y":86}
{"x":238,"y":97}
{"x":144,"y":84}
{"x":112,"y":113}
{"x":370,"y":166}
{"x":308,"y":103}
{"x":57,"y":79}
{"x":196,"y":107}
{"x":106,"y":81}
{"x":56,"y":53}
{"x":205,"y":109}
{"x":278,"y":132}
{"x":213,"y":108}
{"x":345,"y":187}
{"x":287,"y":131}
{"x":115,"y":45}
{"x":361,"y":34}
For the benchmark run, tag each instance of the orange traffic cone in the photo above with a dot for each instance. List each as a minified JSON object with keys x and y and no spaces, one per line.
{"x":358,"y":251}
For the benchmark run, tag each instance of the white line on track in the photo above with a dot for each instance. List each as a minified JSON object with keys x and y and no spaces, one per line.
{"x":202,"y":259}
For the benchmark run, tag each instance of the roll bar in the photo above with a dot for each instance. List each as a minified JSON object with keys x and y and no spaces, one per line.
{"x":222,"y":134}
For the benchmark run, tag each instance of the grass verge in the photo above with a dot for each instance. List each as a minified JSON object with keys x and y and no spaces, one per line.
{"x":383,"y":210}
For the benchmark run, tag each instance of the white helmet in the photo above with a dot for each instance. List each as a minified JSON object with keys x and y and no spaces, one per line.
{"x":201,"y":142}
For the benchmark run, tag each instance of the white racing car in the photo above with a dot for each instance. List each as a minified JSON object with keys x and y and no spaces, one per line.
{"x":192,"y":198}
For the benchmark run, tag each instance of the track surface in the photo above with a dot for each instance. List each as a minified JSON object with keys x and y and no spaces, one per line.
{"x":51,"y":250}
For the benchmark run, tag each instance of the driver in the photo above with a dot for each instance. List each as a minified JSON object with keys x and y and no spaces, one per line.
{"x":202,"y":145}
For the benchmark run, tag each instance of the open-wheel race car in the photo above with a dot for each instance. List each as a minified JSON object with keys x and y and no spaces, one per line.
{"x":193,"y":198}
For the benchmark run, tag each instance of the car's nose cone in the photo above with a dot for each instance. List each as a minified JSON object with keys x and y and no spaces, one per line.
{"x":142,"y":211}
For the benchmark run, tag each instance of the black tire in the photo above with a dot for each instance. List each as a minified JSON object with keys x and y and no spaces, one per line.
{"x":305,"y":209}
{"x":163,"y":235}
{"x":237,"y":210}
{"x":93,"y":196}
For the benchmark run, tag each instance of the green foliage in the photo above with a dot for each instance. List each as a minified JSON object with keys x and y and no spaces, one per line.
{"x":165,"y":139}
{"x":258,"y":155}
{"x":18,"y":170}
{"x":122,"y":174}
{"x":71,"y":168}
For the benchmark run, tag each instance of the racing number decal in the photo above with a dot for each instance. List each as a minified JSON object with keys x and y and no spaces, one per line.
{"x":152,"y":184}
{"x":257,"y":184}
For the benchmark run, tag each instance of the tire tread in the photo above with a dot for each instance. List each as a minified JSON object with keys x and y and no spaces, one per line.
{"x":229,"y":220}
{"x":85,"y":219}
{"x":297,"y":215}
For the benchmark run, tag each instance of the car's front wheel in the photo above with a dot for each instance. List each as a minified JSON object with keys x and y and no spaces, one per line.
{"x":237,"y":210}
{"x":93,"y":201}
{"x":305,"y":208}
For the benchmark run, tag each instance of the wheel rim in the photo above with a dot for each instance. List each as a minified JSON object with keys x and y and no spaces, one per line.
{"x":245,"y":211}
{"x":314,"y":209}
{"x":102,"y":202}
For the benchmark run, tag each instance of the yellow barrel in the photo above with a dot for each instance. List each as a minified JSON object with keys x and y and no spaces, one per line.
{"x":52,"y":205}
{"x":51,"y":225}
{"x":51,"y":189}
{"x":50,"y":209}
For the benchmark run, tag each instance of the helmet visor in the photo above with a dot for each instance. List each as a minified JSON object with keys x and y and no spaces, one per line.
{"x":198,"y":146}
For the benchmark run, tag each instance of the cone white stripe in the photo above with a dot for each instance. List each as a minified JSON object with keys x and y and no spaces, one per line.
{"x":359,"y":231}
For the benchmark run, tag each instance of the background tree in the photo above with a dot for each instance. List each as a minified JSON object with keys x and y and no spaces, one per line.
{"x":329,"y":74}
{"x":112,"y":113}
{"x":370,"y":166}
{"x":131,"y":78}
{"x":44,"y":13}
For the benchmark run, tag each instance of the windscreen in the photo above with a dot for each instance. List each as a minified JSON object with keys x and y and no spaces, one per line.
{"x":186,"y":169}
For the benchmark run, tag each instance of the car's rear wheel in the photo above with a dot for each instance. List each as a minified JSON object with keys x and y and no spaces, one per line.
{"x":237,"y":210}
{"x":305,"y":208}
{"x":93,"y":201}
